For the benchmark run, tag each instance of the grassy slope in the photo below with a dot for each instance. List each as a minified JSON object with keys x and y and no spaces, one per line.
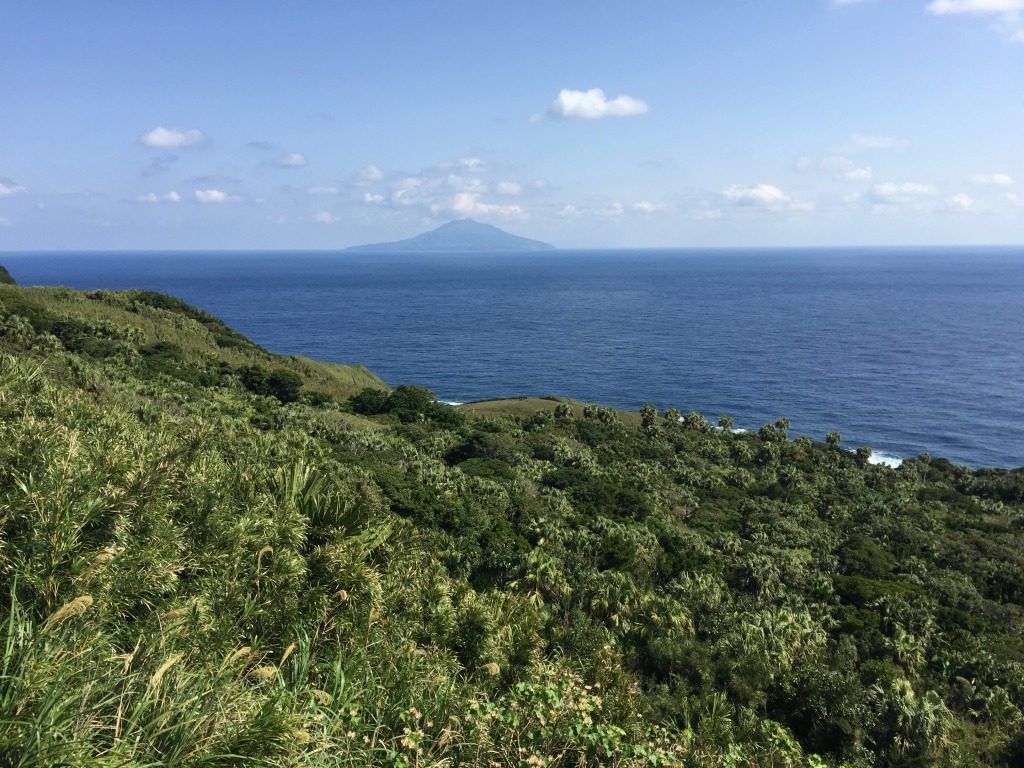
{"x":136,"y":320}
{"x":195,"y":574}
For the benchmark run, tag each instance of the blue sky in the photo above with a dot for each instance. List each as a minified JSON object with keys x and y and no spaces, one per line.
{"x":197,"y":125}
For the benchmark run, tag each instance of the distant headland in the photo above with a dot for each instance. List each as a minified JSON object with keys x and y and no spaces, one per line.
{"x":460,"y":236}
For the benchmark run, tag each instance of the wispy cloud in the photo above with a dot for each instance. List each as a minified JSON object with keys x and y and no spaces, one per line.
{"x":844,"y":169}
{"x":992,"y":180}
{"x":891,"y":197}
{"x":325,"y":217}
{"x":646,"y":206}
{"x":153,"y":197}
{"x":9,"y":189}
{"x":593,"y":105}
{"x":1008,"y":14}
{"x":469,"y":204}
{"x":171,"y":138}
{"x":289,"y":160}
{"x":258,"y":144}
{"x":960,"y":201}
{"x":369,"y":174}
{"x":159,"y":164}
{"x":323,"y":190}
{"x":860,"y":142}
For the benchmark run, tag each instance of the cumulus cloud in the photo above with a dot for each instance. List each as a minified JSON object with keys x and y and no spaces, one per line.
{"x":992,"y":180}
{"x":860,"y":142}
{"x":758,"y":195}
{"x":325,"y":217}
{"x":593,"y":105}
{"x":171,"y":138}
{"x":211,"y":196}
{"x":9,"y":189}
{"x":153,"y":197}
{"x":372,"y":198}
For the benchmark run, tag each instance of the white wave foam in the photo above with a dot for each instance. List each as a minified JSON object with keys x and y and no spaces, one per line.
{"x":450,"y":402}
{"x":885,"y":459}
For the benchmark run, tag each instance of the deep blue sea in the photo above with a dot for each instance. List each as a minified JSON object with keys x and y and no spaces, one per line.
{"x":905,"y":350}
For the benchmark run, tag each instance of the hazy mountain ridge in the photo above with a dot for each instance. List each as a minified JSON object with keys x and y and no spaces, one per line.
{"x":460,"y":236}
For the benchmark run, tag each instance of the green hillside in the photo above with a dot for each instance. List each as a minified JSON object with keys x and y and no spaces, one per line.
{"x":211,"y":555}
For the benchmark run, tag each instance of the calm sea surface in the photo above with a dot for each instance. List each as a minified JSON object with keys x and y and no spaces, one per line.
{"x":905,"y":350}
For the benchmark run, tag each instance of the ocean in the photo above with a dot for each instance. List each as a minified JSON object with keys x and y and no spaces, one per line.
{"x":906,"y":350}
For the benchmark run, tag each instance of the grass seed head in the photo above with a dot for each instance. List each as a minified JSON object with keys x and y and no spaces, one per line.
{"x":70,"y":609}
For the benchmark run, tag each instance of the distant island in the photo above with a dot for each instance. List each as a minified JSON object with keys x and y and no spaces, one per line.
{"x":460,"y":236}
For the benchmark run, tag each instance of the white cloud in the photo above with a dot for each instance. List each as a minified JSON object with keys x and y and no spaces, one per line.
{"x":961,"y":201}
{"x":593,"y":104}
{"x":1009,"y":14}
{"x":369,"y":174}
{"x":325,"y":217}
{"x":321,"y":191}
{"x":645,"y":206}
{"x":5,"y":222}
{"x":9,"y":189}
{"x":371,"y":198}
{"x":946,"y":7}
{"x":707,"y":214}
{"x":407,"y":191}
{"x":153,"y":197}
{"x":466,"y":184}
{"x":903,"y":192}
{"x":762,"y":195}
{"x":859,"y":142}
{"x":290,"y":160}
{"x":909,"y":195}
{"x":992,"y":180}
{"x":468,"y":204}
{"x":610,"y":211}
{"x":845,"y":169}
{"x":509,"y":188}
{"x":171,"y":138}
{"x":211,"y":196}
{"x":468,"y":164}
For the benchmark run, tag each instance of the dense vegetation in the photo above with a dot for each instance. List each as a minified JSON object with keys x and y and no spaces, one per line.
{"x":211,"y":555}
